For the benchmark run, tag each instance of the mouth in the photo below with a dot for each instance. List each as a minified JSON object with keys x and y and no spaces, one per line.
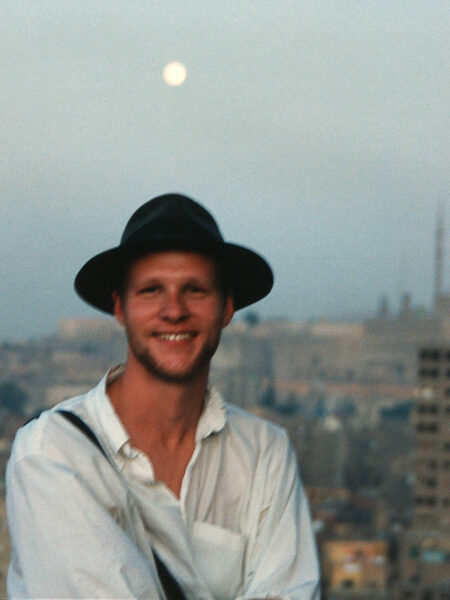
{"x":175,"y":337}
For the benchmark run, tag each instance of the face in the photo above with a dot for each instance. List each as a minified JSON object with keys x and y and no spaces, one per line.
{"x":173,"y":313}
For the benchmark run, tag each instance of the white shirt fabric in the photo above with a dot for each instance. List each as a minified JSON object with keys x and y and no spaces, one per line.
{"x":82,"y":527}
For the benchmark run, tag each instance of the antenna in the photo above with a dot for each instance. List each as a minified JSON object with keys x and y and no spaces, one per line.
{"x":438,"y":254}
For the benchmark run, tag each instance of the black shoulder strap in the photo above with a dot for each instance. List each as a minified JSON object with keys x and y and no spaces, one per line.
{"x":172,"y":588}
{"x":82,"y":426}
{"x":170,"y":585}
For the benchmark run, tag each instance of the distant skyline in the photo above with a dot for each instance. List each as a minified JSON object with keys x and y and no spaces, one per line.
{"x":315,"y":132}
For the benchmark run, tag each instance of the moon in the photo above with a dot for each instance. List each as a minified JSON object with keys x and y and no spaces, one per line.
{"x":174,"y":73}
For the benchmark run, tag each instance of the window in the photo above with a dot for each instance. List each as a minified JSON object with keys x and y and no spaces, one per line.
{"x":427,"y":393}
{"x":429,"y":372}
{"x":425,"y":501}
{"x":430,"y":482}
{"x":431,"y":409}
{"x":430,"y":354}
{"x":427,"y":427}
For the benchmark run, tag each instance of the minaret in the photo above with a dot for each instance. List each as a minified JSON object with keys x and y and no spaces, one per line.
{"x":438,"y":255}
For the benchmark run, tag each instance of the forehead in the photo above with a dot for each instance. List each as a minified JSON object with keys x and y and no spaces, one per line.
{"x":171,"y":264}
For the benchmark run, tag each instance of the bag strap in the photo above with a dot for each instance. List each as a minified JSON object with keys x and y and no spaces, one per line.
{"x":169,"y":584}
{"x":84,"y":427}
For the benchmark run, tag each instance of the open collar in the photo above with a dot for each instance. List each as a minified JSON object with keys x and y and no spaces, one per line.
{"x":212,"y":420}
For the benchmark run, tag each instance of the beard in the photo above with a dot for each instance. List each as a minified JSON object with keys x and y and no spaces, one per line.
{"x":158,"y":369}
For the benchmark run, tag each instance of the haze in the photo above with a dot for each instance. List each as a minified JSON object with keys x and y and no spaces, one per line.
{"x":317,"y":132}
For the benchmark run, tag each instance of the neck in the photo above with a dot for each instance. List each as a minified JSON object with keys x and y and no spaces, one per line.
{"x":151,"y":408}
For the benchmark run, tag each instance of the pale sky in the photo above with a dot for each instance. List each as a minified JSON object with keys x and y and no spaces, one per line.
{"x":317,"y":132}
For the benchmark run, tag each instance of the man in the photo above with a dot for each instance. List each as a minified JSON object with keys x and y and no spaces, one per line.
{"x":181,"y":482}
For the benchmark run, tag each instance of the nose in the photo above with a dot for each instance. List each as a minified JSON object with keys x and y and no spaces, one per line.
{"x":174,"y":308}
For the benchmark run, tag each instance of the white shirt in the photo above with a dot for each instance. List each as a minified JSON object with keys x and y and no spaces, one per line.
{"x":82,"y":528}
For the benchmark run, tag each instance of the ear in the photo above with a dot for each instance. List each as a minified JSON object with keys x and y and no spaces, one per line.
{"x":228,"y":311}
{"x":118,"y":308}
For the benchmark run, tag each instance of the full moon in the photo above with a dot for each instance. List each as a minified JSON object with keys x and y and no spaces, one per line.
{"x":174,"y":73}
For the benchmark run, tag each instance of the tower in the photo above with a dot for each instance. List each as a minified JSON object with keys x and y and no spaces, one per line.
{"x":432,"y":429}
{"x":426,"y":545}
{"x":438,"y":255}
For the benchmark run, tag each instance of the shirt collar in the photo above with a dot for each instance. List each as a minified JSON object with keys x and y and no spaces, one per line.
{"x":212,"y":419}
{"x":108,"y":424}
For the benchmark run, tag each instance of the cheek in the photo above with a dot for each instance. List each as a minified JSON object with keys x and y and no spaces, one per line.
{"x":215,"y":317}
{"x":135,"y":313}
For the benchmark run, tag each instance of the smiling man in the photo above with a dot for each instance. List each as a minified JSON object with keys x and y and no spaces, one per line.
{"x":150,"y":485}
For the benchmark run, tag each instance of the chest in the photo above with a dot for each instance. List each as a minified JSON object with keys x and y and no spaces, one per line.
{"x":202,"y":532}
{"x":169,"y":465}
{"x":214,"y":520}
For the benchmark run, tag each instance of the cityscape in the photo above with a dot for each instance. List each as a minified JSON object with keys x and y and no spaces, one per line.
{"x":367,"y":407}
{"x":316,"y":133}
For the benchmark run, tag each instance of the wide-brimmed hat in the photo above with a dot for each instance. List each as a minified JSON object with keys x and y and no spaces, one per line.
{"x":170,"y":222}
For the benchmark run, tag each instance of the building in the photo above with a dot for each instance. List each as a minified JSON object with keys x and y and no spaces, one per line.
{"x":325,"y":453}
{"x":355,"y":568}
{"x":425,"y":557}
{"x":432,"y":427}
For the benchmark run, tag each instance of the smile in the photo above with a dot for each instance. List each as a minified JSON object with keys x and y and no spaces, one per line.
{"x":175,"y":337}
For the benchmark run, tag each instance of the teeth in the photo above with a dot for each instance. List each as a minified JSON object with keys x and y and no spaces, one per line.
{"x":175,"y":337}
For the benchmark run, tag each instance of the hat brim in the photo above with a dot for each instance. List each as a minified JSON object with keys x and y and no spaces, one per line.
{"x":249,"y":276}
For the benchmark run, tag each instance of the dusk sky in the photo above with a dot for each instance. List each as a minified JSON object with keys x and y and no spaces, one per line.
{"x":317,"y":132}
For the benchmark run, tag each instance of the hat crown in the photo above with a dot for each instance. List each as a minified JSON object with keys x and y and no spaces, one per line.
{"x":171,"y":216}
{"x":173,"y":222}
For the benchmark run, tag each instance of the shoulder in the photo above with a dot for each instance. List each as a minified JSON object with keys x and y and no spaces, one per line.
{"x":49,"y":434}
{"x":256,"y":436}
{"x":254,"y":425}
{"x":52,"y":456}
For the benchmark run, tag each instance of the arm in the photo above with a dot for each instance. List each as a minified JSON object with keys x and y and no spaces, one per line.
{"x":65,"y":543}
{"x":282,"y":560}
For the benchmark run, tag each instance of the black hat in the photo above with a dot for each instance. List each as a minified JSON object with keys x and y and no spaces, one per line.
{"x":169,"y":222}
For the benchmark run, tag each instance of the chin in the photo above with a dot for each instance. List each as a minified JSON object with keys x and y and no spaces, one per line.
{"x":173,"y":374}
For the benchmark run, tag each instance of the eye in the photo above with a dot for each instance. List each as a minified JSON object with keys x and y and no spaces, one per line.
{"x":149,"y":289}
{"x":195,"y":289}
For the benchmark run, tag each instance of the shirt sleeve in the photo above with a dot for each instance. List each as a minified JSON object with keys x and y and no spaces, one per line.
{"x":65,"y":543}
{"x":281,"y":558}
